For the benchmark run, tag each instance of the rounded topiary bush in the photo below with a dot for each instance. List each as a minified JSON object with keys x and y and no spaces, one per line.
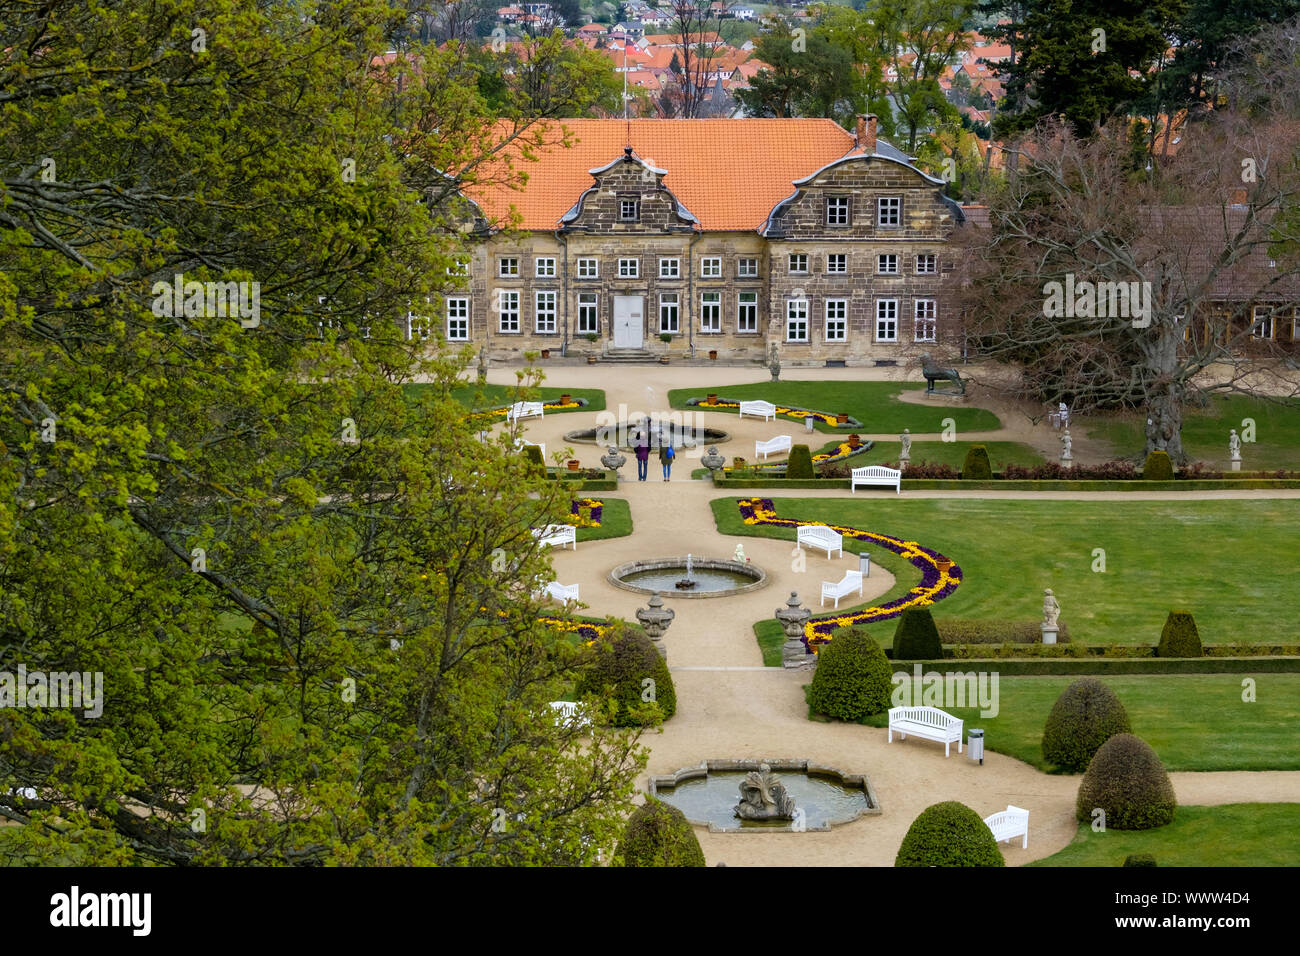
{"x":916,"y":638}
{"x":1084,"y":717}
{"x":976,"y":466}
{"x":1158,"y":467}
{"x":949,"y":834}
{"x":1127,"y":780}
{"x":852,"y":679}
{"x":658,"y":834}
{"x":1140,"y":859}
{"x":799,"y":464}
{"x":618,"y":673}
{"x":1179,"y":638}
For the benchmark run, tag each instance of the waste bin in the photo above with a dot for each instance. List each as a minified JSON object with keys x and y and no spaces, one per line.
{"x":864,"y":564}
{"x":975,"y":744}
{"x":808,"y":422}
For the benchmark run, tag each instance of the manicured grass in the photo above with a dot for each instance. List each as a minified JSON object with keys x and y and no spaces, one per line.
{"x":615,"y":520}
{"x":872,"y":403}
{"x":1193,"y":723}
{"x":770,"y":638}
{"x":1228,"y":562}
{"x":953,"y":454}
{"x":1235,"y":834}
{"x":1205,"y":433}
{"x":493,"y":396}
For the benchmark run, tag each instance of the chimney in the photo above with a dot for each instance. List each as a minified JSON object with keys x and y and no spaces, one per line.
{"x":866,"y":138}
{"x":1237,"y":196}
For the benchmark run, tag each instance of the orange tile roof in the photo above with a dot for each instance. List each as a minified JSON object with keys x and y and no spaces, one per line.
{"x":729,"y":173}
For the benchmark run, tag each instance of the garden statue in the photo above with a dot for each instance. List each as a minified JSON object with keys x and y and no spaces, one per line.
{"x":1234,"y":446}
{"x":764,"y":797}
{"x":740,"y":553}
{"x":1051,"y":609}
{"x":482,"y":365}
{"x":774,"y":364}
{"x":906,"y":439}
{"x":1067,"y":443}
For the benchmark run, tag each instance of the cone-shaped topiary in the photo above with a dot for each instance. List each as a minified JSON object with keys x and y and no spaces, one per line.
{"x":658,"y":834}
{"x":799,"y":464}
{"x":1127,"y":780}
{"x":1084,"y":717}
{"x":949,"y":834}
{"x":619,"y":671}
{"x":536,"y":464}
{"x":1140,"y":859}
{"x":853,"y":677}
{"x":1158,"y":467}
{"x":976,"y":466}
{"x":916,"y":638}
{"x":1179,"y":637}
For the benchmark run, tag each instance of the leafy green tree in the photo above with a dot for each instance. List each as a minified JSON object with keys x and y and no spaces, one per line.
{"x":306,"y":590}
{"x":807,"y":76}
{"x":921,"y":39}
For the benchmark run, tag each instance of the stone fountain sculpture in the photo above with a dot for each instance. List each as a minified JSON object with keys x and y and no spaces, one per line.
{"x":793,"y":617}
{"x":764,"y":797}
{"x":655,"y":619}
{"x":613,"y":460}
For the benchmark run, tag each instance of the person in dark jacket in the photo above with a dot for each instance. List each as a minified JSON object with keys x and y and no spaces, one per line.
{"x":642,"y":449}
{"x":666,"y":456}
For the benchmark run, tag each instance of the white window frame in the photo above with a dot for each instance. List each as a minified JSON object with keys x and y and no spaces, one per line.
{"x":884,"y":260}
{"x":796,"y":263}
{"x":550,"y":311}
{"x":418,"y":326}
{"x":1260,"y":323}
{"x":710,"y":312}
{"x":670,"y":268}
{"x":796,"y":313}
{"x":508,"y":267}
{"x":925,"y":312}
{"x":883,"y":316}
{"x":544,"y":267}
{"x":889,"y":212}
{"x":590,"y":263}
{"x":837,"y":311}
{"x":503,"y":297}
{"x":588,"y":313}
{"x":741,"y":308}
{"x":843,"y":262}
{"x":930,"y":259}
{"x":670,"y":302}
{"x":629,"y":268}
{"x":710,"y":267}
{"x":623,"y":205}
{"x":747,"y":267}
{"x":843,"y":211}
{"x":453,"y":305}
{"x":460,"y":269}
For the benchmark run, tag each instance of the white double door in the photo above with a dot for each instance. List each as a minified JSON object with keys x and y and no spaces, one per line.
{"x":629,"y":321}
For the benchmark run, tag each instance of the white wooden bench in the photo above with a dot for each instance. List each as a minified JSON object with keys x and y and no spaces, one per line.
{"x":877,"y":476}
{"x":820,"y":536}
{"x":560,"y":534}
{"x":520,"y":443}
{"x":928,"y":722}
{"x":560,"y":592}
{"x":772,"y":446}
{"x":571,"y":713}
{"x":852,"y":581}
{"x":524,"y":410}
{"x":1008,"y":824}
{"x":760,"y":408}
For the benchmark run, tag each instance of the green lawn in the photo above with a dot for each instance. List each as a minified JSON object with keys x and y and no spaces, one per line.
{"x":953,"y":454}
{"x":872,"y":403}
{"x":1228,"y":562}
{"x":1193,"y":722}
{"x":1205,"y":433}
{"x":615,"y":519}
{"x":1236,"y":834}
{"x":493,"y":396}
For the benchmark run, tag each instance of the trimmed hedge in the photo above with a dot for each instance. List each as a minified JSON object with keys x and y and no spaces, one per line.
{"x":916,"y":636}
{"x":949,"y":834}
{"x":799,"y":463}
{"x":1127,"y":780}
{"x":1084,"y":717}
{"x":1140,"y":859}
{"x":852,"y":679}
{"x":616,"y":673}
{"x":977,"y":466}
{"x":535,"y":464}
{"x":936,"y":484}
{"x":1179,"y":637}
{"x":1109,"y":666}
{"x":1158,"y":467}
{"x":959,"y":631}
{"x":658,"y":834}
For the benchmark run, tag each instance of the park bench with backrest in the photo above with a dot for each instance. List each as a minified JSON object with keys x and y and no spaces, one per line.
{"x":560,"y":534}
{"x":1008,"y":824}
{"x":928,"y":722}
{"x":781,"y":443}
{"x":760,"y":408}
{"x":852,"y":581}
{"x":820,"y":536}
{"x":934,"y":372}
{"x":560,"y":592}
{"x":876,"y":476}
{"x":570,"y":713}
{"x":524,"y":410}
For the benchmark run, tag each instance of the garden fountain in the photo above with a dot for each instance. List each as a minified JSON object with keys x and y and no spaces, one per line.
{"x":689,"y":577}
{"x":685,"y":584}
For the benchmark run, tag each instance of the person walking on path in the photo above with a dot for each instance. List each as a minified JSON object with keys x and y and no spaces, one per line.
{"x":642,"y":457}
{"x":666,"y":456}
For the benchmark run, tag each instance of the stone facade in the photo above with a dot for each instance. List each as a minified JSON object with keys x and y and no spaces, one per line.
{"x":837,"y":272}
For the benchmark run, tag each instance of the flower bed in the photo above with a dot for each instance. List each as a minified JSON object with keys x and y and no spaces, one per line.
{"x":586,"y":512}
{"x":936,"y":583}
{"x":489,"y":415}
{"x":798,"y":414}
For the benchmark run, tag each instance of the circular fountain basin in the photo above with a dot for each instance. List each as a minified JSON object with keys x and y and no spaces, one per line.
{"x":712,"y":577}
{"x":708,"y":794}
{"x":661,"y":433}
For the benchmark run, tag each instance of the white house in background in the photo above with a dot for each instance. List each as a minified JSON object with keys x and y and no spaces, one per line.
{"x":742,"y":12}
{"x":538,"y":9}
{"x":510,"y":14}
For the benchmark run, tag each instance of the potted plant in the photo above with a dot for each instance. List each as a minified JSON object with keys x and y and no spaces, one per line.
{"x":842,"y":418}
{"x":712,"y":398}
{"x":713,"y":354}
{"x":565,"y":398}
{"x":546,"y":353}
{"x":592,"y":338}
{"x":574,"y":464}
{"x":855,"y":440}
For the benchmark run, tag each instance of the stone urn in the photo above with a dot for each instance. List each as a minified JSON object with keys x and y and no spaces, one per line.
{"x":655,"y":620}
{"x":613,"y":460}
{"x":712,"y":460}
{"x":792,"y":618}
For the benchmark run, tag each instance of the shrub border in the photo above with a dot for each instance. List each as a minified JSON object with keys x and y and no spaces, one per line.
{"x":1102,"y":666}
{"x":1045,"y":484}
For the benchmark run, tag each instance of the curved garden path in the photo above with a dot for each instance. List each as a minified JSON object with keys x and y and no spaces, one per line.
{"x":729,"y":705}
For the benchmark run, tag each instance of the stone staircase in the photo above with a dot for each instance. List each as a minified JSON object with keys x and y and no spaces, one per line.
{"x":629,"y":356}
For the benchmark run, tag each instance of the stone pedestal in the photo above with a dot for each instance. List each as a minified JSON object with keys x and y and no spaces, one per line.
{"x":1236,"y":463}
{"x":903,"y":462}
{"x":655,"y":619}
{"x":794,"y":654}
{"x":1067,"y":461}
{"x":1049,"y":633}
